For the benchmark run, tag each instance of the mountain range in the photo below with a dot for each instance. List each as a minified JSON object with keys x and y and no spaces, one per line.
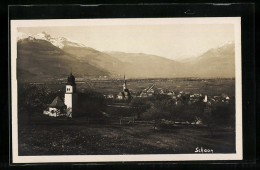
{"x":43,"y":57}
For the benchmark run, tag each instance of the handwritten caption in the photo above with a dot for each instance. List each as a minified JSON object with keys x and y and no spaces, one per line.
{"x":203,"y":150}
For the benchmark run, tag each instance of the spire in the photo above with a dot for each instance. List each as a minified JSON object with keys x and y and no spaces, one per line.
{"x":71,"y":80}
{"x":124,"y":85}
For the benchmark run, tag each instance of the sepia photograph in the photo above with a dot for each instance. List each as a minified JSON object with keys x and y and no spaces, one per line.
{"x":136,"y":89}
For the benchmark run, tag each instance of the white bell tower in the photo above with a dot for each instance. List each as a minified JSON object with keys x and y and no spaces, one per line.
{"x":71,"y":96}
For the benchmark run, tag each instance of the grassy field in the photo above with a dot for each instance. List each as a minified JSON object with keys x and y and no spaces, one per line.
{"x":80,"y":137}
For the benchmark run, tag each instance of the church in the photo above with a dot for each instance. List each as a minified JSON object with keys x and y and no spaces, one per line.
{"x":71,"y":96}
{"x":125,"y":94}
{"x":58,"y":108}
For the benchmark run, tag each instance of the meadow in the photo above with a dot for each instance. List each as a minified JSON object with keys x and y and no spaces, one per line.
{"x":81,"y":137}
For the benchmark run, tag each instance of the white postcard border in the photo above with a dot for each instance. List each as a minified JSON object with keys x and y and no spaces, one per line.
{"x":236,"y":21}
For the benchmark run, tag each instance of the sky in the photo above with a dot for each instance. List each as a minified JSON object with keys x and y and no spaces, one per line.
{"x":173,"y":41}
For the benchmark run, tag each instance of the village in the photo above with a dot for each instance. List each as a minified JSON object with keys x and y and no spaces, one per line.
{"x":192,"y":98}
{"x":68,"y":106}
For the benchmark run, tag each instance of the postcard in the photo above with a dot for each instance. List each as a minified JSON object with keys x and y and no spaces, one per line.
{"x":133,"y":89}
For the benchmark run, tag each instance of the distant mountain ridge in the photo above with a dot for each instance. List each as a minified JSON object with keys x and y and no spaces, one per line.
{"x":216,"y":62}
{"x":59,"y":42}
{"x":41,"y":56}
{"x":146,"y":65}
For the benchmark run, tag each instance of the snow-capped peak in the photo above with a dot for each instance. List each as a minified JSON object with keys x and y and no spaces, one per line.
{"x":226,"y":43}
{"x":56,"y":41}
{"x":43,"y":36}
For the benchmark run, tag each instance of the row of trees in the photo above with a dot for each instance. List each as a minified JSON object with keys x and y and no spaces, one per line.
{"x":161,"y":107}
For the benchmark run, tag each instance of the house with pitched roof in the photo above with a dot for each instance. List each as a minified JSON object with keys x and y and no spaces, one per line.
{"x":56,"y":108}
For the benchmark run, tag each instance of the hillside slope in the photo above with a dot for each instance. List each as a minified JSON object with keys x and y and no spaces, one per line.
{"x":217,"y":62}
{"x":139,"y":65}
{"x":96,"y":58}
{"x":40,"y":60}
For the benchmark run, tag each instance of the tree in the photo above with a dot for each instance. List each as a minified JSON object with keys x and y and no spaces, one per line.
{"x":184,"y":99}
{"x":224,"y":115}
{"x":33,"y":99}
{"x":220,"y":115}
{"x":192,"y":113}
{"x":155,"y":115}
{"x":91,"y":104}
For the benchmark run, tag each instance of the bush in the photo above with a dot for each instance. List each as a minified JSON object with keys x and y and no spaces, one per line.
{"x":224,"y":115}
{"x":153,"y":114}
{"x":164,"y":108}
{"x":140,"y":101}
{"x":90,"y":104}
{"x":221,"y":115}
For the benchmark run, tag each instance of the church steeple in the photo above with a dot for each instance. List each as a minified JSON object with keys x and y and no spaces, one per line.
{"x":70,"y":99}
{"x":71,"y":85}
{"x":71,"y":80}
{"x":124,"y":85}
{"x":125,"y":94}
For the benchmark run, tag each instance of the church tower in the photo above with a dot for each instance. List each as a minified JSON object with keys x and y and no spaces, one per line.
{"x":71,"y":96}
{"x":124,"y":85}
{"x":125,"y":94}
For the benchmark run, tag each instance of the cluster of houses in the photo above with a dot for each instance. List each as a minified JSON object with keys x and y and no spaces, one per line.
{"x":176,"y":96}
{"x":59,"y":108}
{"x":147,"y":92}
{"x":196,"y":97}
